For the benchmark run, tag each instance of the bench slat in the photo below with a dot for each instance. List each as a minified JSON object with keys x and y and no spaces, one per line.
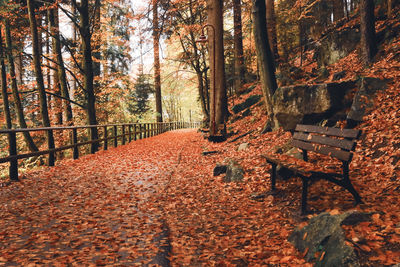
{"x":323,"y":140}
{"x":346,"y":133}
{"x":339,"y":154}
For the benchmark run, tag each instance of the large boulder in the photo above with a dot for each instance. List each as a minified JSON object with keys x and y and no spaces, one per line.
{"x":363,"y":100}
{"x":309,"y":104}
{"x":322,"y":241}
{"x":336,"y":45}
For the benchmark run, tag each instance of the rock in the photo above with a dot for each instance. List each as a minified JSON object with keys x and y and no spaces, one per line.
{"x":267,"y":127}
{"x":309,"y":104}
{"x":219,"y":169}
{"x":324,"y":234}
{"x":205,"y":153}
{"x":323,"y":74}
{"x":339,"y":75}
{"x":243,"y":146}
{"x":336,"y":45}
{"x":246,"y":104}
{"x":258,"y":196}
{"x":234,"y":172}
{"x":363,"y":100}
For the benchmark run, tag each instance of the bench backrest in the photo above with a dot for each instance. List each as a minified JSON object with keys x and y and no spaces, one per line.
{"x":334,"y":142}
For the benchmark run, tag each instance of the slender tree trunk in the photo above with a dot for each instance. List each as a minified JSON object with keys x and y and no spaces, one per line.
{"x":84,"y":30}
{"x":96,"y":45}
{"x":389,"y":8}
{"x":219,"y":101}
{"x":368,"y":39}
{"x":271,"y":27}
{"x":264,"y":55}
{"x":39,"y":76}
{"x":17,"y":100}
{"x":61,"y":74}
{"x":157,"y":69}
{"x":338,"y":9}
{"x":4,"y":94}
{"x":202,"y":96}
{"x":240,"y":68}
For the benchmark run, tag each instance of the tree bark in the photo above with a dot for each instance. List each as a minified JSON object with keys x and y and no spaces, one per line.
{"x":4,"y":94}
{"x":264,"y":54}
{"x":61,"y":74}
{"x":39,"y":76}
{"x":271,"y":27}
{"x":218,"y":109}
{"x":17,"y":100}
{"x":157,"y":69}
{"x":368,"y":39}
{"x":338,"y":9}
{"x":88,"y":76}
{"x":240,"y":68}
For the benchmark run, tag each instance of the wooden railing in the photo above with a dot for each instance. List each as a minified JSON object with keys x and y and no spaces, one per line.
{"x":122,"y":132}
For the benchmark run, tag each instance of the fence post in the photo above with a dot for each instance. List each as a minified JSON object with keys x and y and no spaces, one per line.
{"x":50,"y":145}
{"x":123,"y":134}
{"x":115,"y":136}
{"x":134,"y":132}
{"x":75,"y":151}
{"x":13,"y":170}
{"x":105,"y":138}
{"x":140,"y":131}
{"x":130,"y":132}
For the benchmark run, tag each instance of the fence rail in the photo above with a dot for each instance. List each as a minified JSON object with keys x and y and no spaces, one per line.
{"x":119,"y":132}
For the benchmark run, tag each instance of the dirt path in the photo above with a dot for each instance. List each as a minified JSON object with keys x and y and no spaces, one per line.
{"x":96,"y":210}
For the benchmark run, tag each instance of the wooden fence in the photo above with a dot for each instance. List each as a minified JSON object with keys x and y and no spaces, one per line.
{"x":122,"y":132}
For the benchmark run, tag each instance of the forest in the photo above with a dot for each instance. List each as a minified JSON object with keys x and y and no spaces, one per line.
{"x":173,"y":132}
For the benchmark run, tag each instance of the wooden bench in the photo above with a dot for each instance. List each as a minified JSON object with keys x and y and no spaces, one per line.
{"x":334,"y":142}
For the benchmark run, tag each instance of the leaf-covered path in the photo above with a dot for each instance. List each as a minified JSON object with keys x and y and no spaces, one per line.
{"x":96,"y":210}
{"x":155,"y":202}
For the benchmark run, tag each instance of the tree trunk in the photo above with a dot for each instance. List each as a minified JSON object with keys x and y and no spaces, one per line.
{"x":264,"y":55}
{"x":202,"y":96}
{"x":271,"y":27}
{"x":157,"y":69}
{"x":62,"y":77}
{"x":17,"y":100}
{"x":4,"y":94}
{"x":39,"y":76}
{"x":389,"y":8}
{"x":368,"y":40}
{"x":219,"y":101}
{"x":338,"y":9}
{"x":88,"y":85}
{"x":240,"y":69}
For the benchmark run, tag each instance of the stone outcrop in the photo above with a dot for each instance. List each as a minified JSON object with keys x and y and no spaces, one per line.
{"x":330,"y":102}
{"x":309,"y":104}
{"x":324,"y":237}
{"x":336,"y":45}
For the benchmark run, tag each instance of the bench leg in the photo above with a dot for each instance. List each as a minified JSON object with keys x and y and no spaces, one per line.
{"x":304,"y":196}
{"x":273,"y":176}
{"x":347,"y":184}
{"x":352,"y":190}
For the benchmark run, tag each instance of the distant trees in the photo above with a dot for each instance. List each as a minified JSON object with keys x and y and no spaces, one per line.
{"x":138,"y":101}
{"x":240,"y":67}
